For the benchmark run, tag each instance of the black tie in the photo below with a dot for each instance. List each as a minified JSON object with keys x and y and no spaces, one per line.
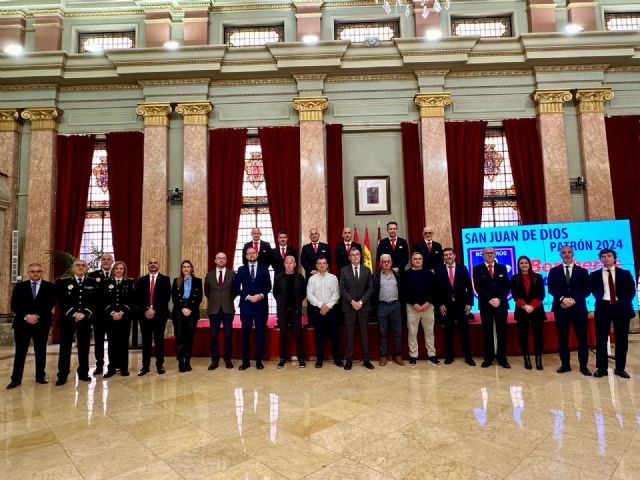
{"x":253,"y":272}
{"x":357,"y":276}
{"x":567,"y":274}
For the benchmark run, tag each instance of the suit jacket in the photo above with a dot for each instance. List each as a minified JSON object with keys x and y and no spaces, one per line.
{"x":264,"y":253}
{"x":488,"y":288}
{"x":625,"y":289}
{"x":220,"y":298}
{"x":117,"y":298}
{"x":243,"y":285}
{"x":358,"y":290}
{"x":99,"y":277}
{"x":376,"y":285}
{"x":308,"y":257}
{"x":342,"y":256}
{"x":277,"y":260}
{"x":192,"y":302}
{"x":431,"y":259}
{"x":280,"y":292}
{"x":399,"y":256}
{"x":578,"y":288}
{"x":23,"y":303}
{"x":161,"y":295}
{"x":72,"y":297}
{"x":536,"y":291}
{"x":462,"y":290}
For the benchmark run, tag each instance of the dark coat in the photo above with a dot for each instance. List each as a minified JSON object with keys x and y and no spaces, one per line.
{"x":244,"y":286}
{"x":488,"y":287}
{"x":376,"y":285}
{"x":536,"y":291}
{"x":264,"y":253}
{"x":23,"y":303}
{"x":278,"y":262}
{"x":342,"y":257}
{"x":192,"y":302}
{"x":161,"y":295}
{"x":462,"y":290}
{"x":308,"y":257}
{"x":399,"y":256}
{"x":117,"y":298}
{"x":432,"y":259}
{"x":280,"y":292}
{"x":578,"y":288}
{"x":358,"y":290}
{"x":220,"y":297}
{"x":625,"y":289}
{"x":74,"y":298}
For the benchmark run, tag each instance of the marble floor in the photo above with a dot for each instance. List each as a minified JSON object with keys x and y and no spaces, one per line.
{"x":423,"y":422}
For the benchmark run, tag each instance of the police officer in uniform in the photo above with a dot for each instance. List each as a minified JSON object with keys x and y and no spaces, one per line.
{"x":76,"y":298}
{"x":99,"y":320}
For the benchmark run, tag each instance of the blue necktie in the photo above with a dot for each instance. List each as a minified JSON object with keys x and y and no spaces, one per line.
{"x":34,"y":289}
{"x":253,"y":272}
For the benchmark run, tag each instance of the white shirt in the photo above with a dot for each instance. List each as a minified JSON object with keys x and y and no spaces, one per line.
{"x":323,"y":288}
{"x":570,"y":265}
{"x":605,"y":280}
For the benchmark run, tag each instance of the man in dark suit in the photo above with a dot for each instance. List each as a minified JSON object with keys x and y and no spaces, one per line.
{"x":356,"y":288}
{"x":32,"y":302}
{"x":262,"y":248}
{"x":281,"y":252}
{"x":252,"y":284}
{"x":100,"y":320}
{"x":615,"y":292}
{"x":569,"y":286}
{"x":343,"y":248}
{"x":311,"y":251}
{"x":491,"y":281}
{"x":218,"y":288}
{"x":454,"y":299}
{"x":77,"y":300}
{"x":395,"y":246}
{"x":153,"y":295}
{"x":431,"y":251}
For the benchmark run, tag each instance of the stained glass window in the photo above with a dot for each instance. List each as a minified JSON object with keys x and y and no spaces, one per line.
{"x":488,"y":27}
{"x":499,"y":206}
{"x":96,"y":42}
{"x":360,"y":31}
{"x":255,"y":207}
{"x":96,"y":235}
{"x":622,"y":22}
{"x":253,"y":36}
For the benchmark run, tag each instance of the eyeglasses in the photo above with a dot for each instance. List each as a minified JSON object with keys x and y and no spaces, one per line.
{"x":428,"y":233}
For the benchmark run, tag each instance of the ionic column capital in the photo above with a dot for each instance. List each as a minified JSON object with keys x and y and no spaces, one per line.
{"x":432,"y":104}
{"x":9,"y":120}
{"x":45,"y":118}
{"x":310,"y":108}
{"x":550,"y":101}
{"x":195,"y":113}
{"x":155,"y":114}
{"x":591,"y":100}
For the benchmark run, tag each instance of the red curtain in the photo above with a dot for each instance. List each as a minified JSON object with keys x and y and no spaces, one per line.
{"x":73,"y":168}
{"x":525,"y":154}
{"x":281,"y":159}
{"x":413,"y":181}
{"x":125,"y":159}
{"x":623,"y":142}
{"x":226,"y":171}
{"x":335,"y":187}
{"x":465,"y":161}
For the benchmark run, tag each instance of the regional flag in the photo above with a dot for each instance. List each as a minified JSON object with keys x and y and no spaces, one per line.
{"x":366,"y":249}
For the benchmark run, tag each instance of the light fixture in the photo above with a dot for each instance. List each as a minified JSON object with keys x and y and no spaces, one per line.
{"x":433,"y":34}
{"x":92,"y":47}
{"x":13,"y":49}
{"x":394,"y":5}
{"x":371,"y":42}
{"x":573,"y":28}
{"x":171,"y":45}
{"x":310,"y":39}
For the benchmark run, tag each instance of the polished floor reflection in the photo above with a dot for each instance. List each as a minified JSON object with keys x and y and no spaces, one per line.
{"x":423,"y":422}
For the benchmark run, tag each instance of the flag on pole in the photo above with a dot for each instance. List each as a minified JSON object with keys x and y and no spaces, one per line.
{"x":377,"y":245}
{"x":355,"y":234}
{"x":366,"y":249}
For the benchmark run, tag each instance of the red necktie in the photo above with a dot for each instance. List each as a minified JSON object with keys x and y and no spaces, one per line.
{"x":451,"y":274}
{"x":490,"y":267}
{"x":152,"y":285}
{"x":315,"y":248}
{"x":220,"y":279}
{"x":348,"y":245}
{"x":255,"y":246}
{"x":393,"y":244}
{"x":282,"y":250}
{"x":429,"y":245}
{"x":613,"y":299}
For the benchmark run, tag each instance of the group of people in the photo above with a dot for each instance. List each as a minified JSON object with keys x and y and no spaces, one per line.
{"x":434,"y":284}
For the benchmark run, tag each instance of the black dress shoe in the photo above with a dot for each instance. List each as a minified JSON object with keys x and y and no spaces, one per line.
{"x":563,"y":369}
{"x":143,"y":371}
{"x":84,"y":378}
{"x":622,"y":373}
{"x":281,"y":363}
{"x":187,"y":367}
{"x":527,"y":362}
{"x":213,"y":365}
{"x":586,"y":372}
{"x":319,"y":364}
{"x":228,"y":364}
{"x":181,"y":368}
{"x":42,"y":381}
{"x":161,"y":370}
{"x":98,"y":371}
{"x":504,"y":364}
{"x":259,"y":365}
{"x":338,"y":363}
{"x":448,"y":361}
{"x":433,"y":360}
{"x":486,"y":364}
{"x":600,"y":373}
{"x":470,"y":361}
{"x":13,"y":384}
{"x":539,"y":362}
{"x":60,"y":381}
{"x":244,"y":366}
{"x":302,"y":364}
{"x":368,"y":364}
{"x":347,"y":366}
{"x":124,"y":373}
{"x":109,"y":374}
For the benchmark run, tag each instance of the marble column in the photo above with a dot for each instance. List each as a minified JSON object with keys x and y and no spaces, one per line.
{"x":194,"y":200}
{"x":582,"y":13}
{"x":48,"y":33}
{"x":593,"y":152}
{"x":157,"y":28}
{"x":40,"y":201}
{"x":12,"y":30}
{"x":154,"y":184}
{"x":308,"y":18}
{"x":554,"y":153}
{"x":9,"y":157}
{"x":434,"y":164}
{"x":541,"y":16}
{"x":313,"y":201}
{"x":196,"y":27}
{"x":422,"y":24}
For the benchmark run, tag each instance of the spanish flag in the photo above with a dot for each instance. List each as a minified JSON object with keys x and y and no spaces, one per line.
{"x":366,"y":249}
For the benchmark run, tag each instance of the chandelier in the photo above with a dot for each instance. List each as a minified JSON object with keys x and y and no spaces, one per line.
{"x":436,"y":5}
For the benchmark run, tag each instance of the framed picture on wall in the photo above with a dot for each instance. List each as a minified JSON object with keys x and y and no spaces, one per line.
{"x":372,"y":195}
